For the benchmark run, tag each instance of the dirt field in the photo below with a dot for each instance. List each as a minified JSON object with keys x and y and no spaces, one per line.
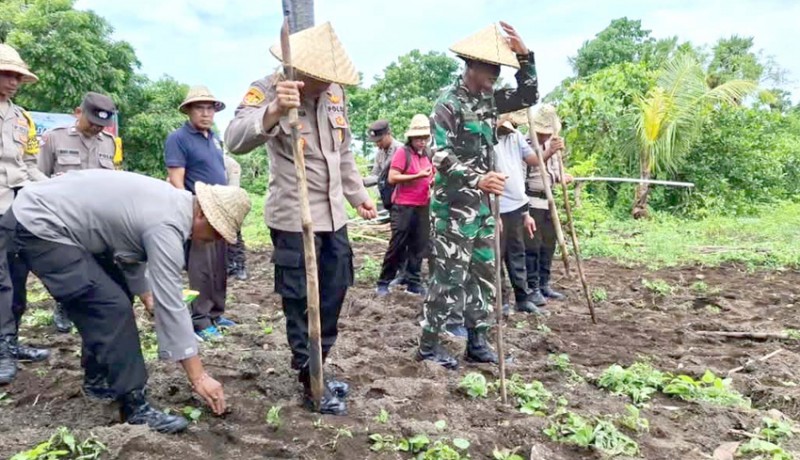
{"x":375,"y":353}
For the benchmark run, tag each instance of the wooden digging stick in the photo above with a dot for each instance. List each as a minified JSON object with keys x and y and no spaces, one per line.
{"x":549,"y":193}
{"x":498,"y":284}
{"x":574,"y":236}
{"x":309,"y":249}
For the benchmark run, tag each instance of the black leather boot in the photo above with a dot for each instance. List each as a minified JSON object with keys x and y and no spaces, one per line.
{"x":8,"y":363}
{"x":330,"y":404}
{"x":29,"y":354}
{"x":545,"y":262}
{"x":527,"y":306}
{"x":431,"y":350}
{"x":538,"y":299}
{"x":548,"y":292}
{"x":96,"y":387}
{"x":135,"y":410}
{"x":60,"y":319}
{"x":478,"y":349}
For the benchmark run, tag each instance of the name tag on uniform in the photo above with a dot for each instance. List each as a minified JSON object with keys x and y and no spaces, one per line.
{"x":67,"y":152}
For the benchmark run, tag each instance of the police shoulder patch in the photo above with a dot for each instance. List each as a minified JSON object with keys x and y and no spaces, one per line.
{"x":254,"y":96}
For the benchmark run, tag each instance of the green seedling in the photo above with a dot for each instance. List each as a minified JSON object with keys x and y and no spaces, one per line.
{"x":38,"y":318}
{"x":414,"y":444}
{"x":474,"y":384}
{"x":532,"y":398}
{"x":763,"y":449}
{"x":440,"y":425}
{"x":340,"y":433}
{"x":699,"y":287}
{"x":370,"y":270}
{"x":520,"y":324}
{"x":598,"y":434}
{"x":774,"y":430}
{"x":599,"y":295}
{"x":274,"y":417}
{"x":192,"y":413}
{"x":381,"y":442}
{"x":709,"y":388}
{"x":639,"y":381}
{"x":633,"y":421}
{"x":149,"y":343}
{"x":543,"y":328}
{"x":506,"y":454}
{"x":658,"y":287}
{"x":382,"y":417}
{"x":266,"y":328}
{"x":63,"y":444}
{"x":440,"y":450}
{"x":792,"y":334}
{"x":562,"y":363}
{"x":5,"y":399}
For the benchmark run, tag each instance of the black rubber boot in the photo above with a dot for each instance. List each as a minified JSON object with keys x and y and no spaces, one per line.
{"x":135,"y":410}
{"x":60,"y":319}
{"x":527,"y":306}
{"x":548,"y":292}
{"x":330,"y":404}
{"x":478,"y":349}
{"x":538,"y":299}
{"x":96,"y":387}
{"x":240,"y":273}
{"x":8,"y":363}
{"x":29,"y":354}
{"x":431,"y":350}
{"x":339,"y":388}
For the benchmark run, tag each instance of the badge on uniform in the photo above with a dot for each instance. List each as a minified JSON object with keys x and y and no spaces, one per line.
{"x":254,"y":96}
{"x":334,"y":99}
{"x":340,"y":121}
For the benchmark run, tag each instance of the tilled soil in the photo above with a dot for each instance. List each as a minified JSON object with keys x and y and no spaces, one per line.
{"x":375,"y":353}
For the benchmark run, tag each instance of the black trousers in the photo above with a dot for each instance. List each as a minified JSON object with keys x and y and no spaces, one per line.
{"x":208,"y":274}
{"x":539,"y":250}
{"x":512,"y":249}
{"x":408,"y":244}
{"x":335,"y":272}
{"x":236,"y":252}
{"x":100,"y":308}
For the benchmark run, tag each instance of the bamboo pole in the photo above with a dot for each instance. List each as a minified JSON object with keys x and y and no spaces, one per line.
{"x":309,"y":249}
{"x":498,"y":285}
{"x":549,"y":193}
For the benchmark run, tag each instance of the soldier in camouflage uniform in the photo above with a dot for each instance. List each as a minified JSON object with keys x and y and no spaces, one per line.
{"x":463,"y":227}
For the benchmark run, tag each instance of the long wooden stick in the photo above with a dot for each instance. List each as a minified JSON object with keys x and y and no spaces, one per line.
{"x":749,"y":362}
{"x":549,"y":193}
{"x":309,"y":249}
{"x":574,"y":236}
{"x":498,"y":285}
{"x":745,"y":335}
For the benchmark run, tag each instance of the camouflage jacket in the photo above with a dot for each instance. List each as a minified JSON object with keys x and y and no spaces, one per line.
{"x":463,"y":129}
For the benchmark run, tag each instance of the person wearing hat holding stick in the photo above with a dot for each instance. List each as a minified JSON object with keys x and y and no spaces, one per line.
{"x":19,"y":149}
{"x":412,"y":173}
{"x":193,"y":154}
{"x":325,"y":139}
{"x":464,"y":118}
{"x":84,"y":145}
{"x":540,"y":248}
{"x":141,"y":223}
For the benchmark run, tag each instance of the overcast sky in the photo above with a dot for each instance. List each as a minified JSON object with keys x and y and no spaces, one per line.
{"x":224,"y":44}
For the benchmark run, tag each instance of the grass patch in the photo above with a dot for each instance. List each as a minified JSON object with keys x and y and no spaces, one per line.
{"x":768,"y":240}
{"x":254,"y":231}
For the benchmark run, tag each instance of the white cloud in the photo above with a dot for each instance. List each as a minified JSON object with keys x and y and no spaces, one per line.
{"x":224,"y":44}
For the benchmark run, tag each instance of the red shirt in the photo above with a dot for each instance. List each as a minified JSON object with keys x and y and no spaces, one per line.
{"x":416,"y":192}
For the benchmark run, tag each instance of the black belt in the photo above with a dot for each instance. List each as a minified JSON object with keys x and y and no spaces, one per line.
{"x":533,"y":194}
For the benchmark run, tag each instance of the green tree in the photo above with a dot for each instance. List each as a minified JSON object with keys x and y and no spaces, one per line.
{"x":144,"y":133}
{"x":733,"y":59}
{"x":70,"y":51}
{"x":670,"y":116}
{"x":408,"y":86}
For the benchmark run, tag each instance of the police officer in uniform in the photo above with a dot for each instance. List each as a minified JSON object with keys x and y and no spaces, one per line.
{"x":18,"y":150}
{"x":323,"y":67}
{"x":84,"y":145}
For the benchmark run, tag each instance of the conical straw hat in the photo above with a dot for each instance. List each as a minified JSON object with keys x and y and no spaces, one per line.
{"x":11,"y":62}
{"x":317,"y":52}
{"x":488,"y":45}
{"x":546,"y":120}
{"x":225,"y":208}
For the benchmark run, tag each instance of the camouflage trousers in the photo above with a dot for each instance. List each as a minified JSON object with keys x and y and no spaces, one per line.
{"x":463,"y":271}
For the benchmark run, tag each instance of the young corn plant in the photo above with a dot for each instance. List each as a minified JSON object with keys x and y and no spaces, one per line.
{"x":274,"y":417}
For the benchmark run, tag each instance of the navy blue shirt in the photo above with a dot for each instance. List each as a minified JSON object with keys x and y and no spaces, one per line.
{"x":201,"y":156}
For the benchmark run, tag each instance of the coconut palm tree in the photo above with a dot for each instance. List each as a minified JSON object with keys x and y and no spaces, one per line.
{"x":670,"y":116}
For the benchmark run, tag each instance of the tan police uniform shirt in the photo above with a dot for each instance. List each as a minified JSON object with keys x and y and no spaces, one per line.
{"x":18,"y":150}
{"x":533,"y":182}
{"x":65,"y":149}
{"x":330,"y":164}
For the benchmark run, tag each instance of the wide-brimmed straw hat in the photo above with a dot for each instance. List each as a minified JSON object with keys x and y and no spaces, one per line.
{"x":546,"y":120}
{"x":200,"y":93}
{"x":11,"y":62}
{"x":488,"y":45}
{"x":318,"y":53}
{"x":225,"y":208}
{"x":420,"y":126}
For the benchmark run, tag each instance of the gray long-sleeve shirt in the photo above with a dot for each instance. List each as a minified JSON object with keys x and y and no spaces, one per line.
{"x":143,"y":221}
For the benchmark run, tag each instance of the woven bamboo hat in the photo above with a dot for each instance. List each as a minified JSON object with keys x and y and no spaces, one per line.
{"x":225,"y":208}
{"x":488,"y":45}
{"x":317,"y":52}
{"x":420,"y":126}
{"x":200,"y":93}
{"x":11,"y":62}
{"x":546,"y":120}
